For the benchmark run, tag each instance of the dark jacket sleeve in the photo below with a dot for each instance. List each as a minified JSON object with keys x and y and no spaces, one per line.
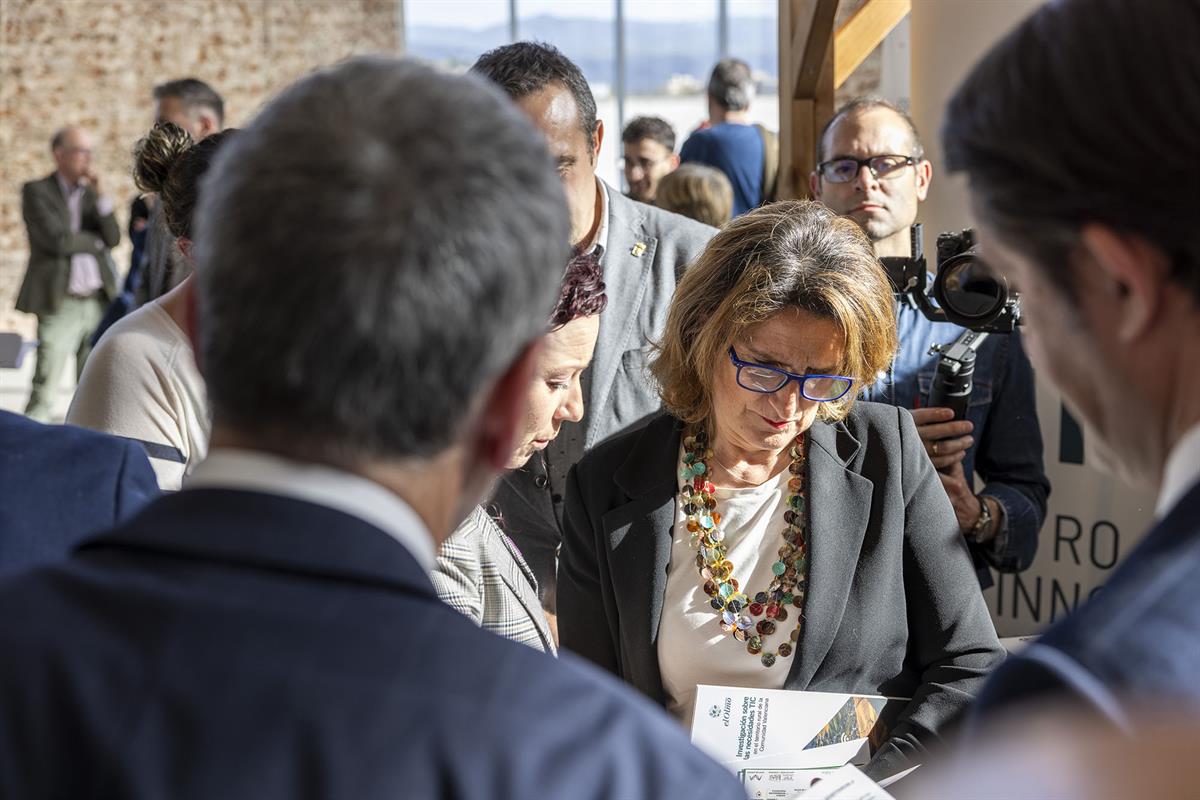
{"x":50,"y":231}
{"x":583,"y":624}
{"x":952,"y":639}
{"x":1009,"y":459}
{"x":136,"y":483}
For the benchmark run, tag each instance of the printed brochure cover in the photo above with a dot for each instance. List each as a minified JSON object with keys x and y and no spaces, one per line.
{"x":776,"y":729}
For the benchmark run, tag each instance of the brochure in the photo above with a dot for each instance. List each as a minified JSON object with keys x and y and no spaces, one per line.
{"x":776,"y":729}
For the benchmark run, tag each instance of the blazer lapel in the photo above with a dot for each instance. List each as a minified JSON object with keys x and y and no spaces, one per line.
{"x":523,"y":585}
{"x":840,"y":507}
{"x":640,"y":536}
{"x":626,"y":256}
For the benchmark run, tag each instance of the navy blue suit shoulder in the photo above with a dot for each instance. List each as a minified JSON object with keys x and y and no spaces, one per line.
{"x":239,"y":645}
{"x":59,"y":484}
{"x":1134,"y":644}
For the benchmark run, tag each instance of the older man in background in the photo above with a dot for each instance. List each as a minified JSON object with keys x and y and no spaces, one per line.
{"x":71,"y":277}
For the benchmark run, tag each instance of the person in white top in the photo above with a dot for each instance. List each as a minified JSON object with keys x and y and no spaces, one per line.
{"x":768,"y":531}
{"x":141,"y":381}
{"x":1099,"y":233}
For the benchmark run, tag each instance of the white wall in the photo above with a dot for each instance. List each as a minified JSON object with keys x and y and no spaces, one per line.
{"x":1092,"y":521}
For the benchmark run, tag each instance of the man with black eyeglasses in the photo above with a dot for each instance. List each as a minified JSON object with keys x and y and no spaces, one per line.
{"x":872,"y":168}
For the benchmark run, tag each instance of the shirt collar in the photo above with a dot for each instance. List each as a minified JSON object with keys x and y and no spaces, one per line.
{"x":67,"y":189}
{"x":1181,"y":472}
{"x":251,"y":470}
{"x":599,"y":242}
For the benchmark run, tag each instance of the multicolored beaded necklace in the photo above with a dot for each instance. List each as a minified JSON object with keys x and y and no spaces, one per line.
{"x":737,"y":610}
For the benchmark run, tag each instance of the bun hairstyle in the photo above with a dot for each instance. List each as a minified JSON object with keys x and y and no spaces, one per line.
{"x":583,"y":291}
{"x":166,"y":161}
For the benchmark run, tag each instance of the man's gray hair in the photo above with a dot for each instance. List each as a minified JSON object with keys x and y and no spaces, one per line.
{"x":373,"y":251}
{"x":731,"y":84}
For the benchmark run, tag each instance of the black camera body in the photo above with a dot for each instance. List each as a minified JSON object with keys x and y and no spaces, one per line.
{"x":966,"y":293}
{"x":965,"y":290}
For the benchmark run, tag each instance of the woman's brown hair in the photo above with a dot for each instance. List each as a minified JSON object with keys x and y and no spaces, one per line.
{"x":791,"y":254}
{"x":168,"y":162}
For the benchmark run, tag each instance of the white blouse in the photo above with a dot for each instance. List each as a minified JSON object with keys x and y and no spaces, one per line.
{"x":692,"y":647}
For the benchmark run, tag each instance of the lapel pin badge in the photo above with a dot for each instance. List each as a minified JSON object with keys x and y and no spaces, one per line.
{"x":638,"y":249}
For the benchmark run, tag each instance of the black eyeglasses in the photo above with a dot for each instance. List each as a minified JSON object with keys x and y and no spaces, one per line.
{"x":846,"y":169}
{"x":767,"y":380}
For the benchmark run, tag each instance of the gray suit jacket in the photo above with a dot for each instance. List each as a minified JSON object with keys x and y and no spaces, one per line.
{"x":648,"y":249}
{"x":52,"y":243}
{"x":893,"y":606}
{"x":481,"y":574}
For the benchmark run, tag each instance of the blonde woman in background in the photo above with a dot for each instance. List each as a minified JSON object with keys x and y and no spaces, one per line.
{"x":699,"y":192}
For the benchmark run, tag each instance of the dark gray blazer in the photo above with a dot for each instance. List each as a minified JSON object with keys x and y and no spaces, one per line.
{"x":893,"y":605}
{"x":51,"y":245}
{"x":648,"y":249}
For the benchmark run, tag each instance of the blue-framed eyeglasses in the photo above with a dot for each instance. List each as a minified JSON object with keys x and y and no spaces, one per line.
{"x":767,"y":380}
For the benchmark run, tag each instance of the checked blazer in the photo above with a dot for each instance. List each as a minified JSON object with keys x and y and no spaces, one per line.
{"x":481,"y":574}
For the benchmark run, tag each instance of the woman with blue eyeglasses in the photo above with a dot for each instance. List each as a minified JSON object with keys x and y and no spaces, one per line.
{"x":768,"y":530}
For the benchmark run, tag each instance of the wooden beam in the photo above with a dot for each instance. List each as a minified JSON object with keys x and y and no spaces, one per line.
{"x":863,"y":32}
{"x":806,"y":61}
{"x":811,"y":41}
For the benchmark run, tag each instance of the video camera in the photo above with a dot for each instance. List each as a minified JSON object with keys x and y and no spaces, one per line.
{"x":965,"y":290}
{"x":967,"y":293}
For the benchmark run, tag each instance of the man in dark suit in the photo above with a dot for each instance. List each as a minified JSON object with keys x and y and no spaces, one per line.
{"x":59,"y":483}
{"x":642,"y":249}
{"x":1110,"y":279}
{"x":71,"y":277}
{"x":271,"y":630}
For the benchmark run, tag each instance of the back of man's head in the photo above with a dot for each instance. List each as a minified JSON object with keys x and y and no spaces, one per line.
{"x":193,"y":94}
{"x":1043,"y":128}
{"x":731,"y":85}
{"x":525,"y":68}
{"x":373,"y":251}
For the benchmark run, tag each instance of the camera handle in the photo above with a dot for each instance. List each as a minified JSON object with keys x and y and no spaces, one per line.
{"x":954,"y":379}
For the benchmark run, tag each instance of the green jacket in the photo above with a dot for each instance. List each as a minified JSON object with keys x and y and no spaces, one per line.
{"x":51,"y":245}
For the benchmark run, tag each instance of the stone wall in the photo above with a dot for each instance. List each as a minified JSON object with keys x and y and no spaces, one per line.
{"x":94,"y":63}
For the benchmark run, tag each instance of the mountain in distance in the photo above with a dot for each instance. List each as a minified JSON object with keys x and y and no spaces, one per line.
{"x":655,"y":52}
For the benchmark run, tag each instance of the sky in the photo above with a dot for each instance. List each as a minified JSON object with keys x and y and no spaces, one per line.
{"x":476,"y":14}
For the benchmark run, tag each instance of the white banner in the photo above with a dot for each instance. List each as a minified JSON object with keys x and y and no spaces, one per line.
{"x":1092,"y":523}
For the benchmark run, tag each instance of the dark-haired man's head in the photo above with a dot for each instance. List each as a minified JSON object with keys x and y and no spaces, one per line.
{"x":731,"y":90}
{"x":191,"y":104}
{"x":1057,"y":169}
{"x":871,"y":167}
{"x":377,"y":255}
{"x":649,"y":154}
{"x":553,"y":93}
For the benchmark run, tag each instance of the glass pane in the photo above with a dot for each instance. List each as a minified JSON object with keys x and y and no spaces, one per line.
{"x":754,"y":38}
{"x":585,"y":31}
{"x":670,"y":49}
{"x":453,"y":33}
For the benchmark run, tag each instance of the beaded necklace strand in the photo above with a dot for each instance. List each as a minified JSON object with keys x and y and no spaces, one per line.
{"x":737,"y":611}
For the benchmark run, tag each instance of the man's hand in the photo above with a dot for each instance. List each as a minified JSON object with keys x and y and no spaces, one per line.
{"x":966,"y":504}
{"x":90,"y":178}
{"x":946,"y":442}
